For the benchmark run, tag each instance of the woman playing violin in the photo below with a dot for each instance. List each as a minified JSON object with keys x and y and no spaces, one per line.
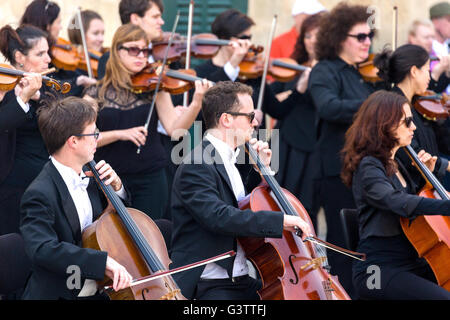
{"x":297,"y":122}
{"x":338,"y":90}
{"x":122,"y":113}
{"x":46,"y":15}
{"x":383,"y":193}
{"x":22,"y":149}
{"x":408,"y":69}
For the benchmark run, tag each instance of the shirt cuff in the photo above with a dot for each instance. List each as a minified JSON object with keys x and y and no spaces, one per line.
{"x":23,"y":105}
{"x":122,"y":193}
{"x":231,"y":71}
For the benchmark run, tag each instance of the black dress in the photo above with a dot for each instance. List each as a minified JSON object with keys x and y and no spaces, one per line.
{"x":23,"y":154}
{"x":143,"y":174}
{"x":393,"y":269}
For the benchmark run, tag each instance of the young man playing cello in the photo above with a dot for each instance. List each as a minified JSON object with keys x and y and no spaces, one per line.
{"x":205,"y":196}
{"x":61,"y":202}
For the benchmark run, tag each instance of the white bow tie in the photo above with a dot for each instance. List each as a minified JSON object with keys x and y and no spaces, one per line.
{"x":81,"y":183}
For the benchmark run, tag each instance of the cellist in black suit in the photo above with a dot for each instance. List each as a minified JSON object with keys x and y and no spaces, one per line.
{"x":61,"y":202}
{"x":206,"y":190}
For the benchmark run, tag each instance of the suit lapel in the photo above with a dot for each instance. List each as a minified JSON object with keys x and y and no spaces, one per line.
{"x":220,"y":167}
{"x":70,"y":211}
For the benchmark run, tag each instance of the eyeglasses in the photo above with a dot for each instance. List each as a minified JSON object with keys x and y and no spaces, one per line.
{"x":408,"y":121}
{"x":96,"y":134}
{"x":250,"y":115}
{"x":245,"y":37}
{"x":134,"y":51}
{"x":361,"y":37}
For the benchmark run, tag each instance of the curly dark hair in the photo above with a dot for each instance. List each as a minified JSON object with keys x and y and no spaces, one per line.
{"x":300,"y":54}
{"x":378,"y":117}
{"x":335,"y":26}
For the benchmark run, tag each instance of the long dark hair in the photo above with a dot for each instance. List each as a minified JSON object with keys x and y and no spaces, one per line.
{"x":230,"y":23}
{"x":373,"y":133}
{"x":394,"y":66}
{"x":300,"y":54}
{"x":41,"y":14}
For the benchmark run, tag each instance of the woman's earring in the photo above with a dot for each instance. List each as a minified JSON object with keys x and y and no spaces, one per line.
{"x":21,"y":65}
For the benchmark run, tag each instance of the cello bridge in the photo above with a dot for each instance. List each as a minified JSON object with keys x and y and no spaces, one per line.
{"x":315,"y":263}
{"x":171,"y":295}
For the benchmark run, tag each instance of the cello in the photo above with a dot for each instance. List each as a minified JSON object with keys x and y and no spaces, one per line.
{"x":290,"y":269}
{"x":126,"y":234}
{"x":430,"y":235}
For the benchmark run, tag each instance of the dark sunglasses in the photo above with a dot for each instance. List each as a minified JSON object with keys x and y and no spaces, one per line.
{"x":361,"y":37}
{"x":408,"y":121}
{"x":245,"y":37}
{"x":250,"y":115}
{"x":96,"y":134}
{"x":134,"y":51}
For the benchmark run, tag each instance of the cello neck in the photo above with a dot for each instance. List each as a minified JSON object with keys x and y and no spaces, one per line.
{"x":272,"y":182}
{"x":427,"y":174}
{"x":147,"y":252}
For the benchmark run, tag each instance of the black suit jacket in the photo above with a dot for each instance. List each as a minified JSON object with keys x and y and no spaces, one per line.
{"x":51,"y":230}
{"x":206,"y":218}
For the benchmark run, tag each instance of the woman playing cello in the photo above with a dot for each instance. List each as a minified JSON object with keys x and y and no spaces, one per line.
{"x":383,"y":193}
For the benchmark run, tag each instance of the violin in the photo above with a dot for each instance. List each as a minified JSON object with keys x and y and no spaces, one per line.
{"x":173,"y":81}
{"x":368,"y":71}
{"x":432,"y":106}
{"x":281,"y":69}
{"x":67,"y":57}
{"x":203,"y":46}
{"x":290,"y":269}
{"x":430,"y":235}
{"x":9,"y":77}
{"x":131,"y":238}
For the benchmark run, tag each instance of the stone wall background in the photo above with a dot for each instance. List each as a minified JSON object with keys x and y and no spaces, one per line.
{"x":261,"y":11}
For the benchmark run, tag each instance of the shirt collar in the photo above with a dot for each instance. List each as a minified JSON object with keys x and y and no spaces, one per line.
{"x":70,"y":177}
{"x":225,"y":151}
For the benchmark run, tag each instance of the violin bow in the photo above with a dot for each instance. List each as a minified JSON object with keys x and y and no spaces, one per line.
{"x":158,"y":84}
{"x":83,"y":40}
{"x":266,"y":63}
{"x":166,"y":273}
{"x":394,"y":28}
{"x":188,"y":47}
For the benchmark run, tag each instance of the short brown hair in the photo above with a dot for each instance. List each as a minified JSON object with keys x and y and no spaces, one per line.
{"x":334,"y":27}
{"x":60,"y":119}
{"x":139,"y":7}
{"x":222,"y":98}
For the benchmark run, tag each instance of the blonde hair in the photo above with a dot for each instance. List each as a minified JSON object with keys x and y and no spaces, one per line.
{"x":116,"y":74}
{"x":417,"y":23}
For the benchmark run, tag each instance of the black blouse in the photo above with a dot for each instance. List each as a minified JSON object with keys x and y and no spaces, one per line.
{"x":124,"y":110}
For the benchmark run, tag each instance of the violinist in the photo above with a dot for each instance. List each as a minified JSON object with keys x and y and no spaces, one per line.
{"x":121,"y":117}
{"x":46,"y":15}
{"x":94,"y":30}
{"x":146,"y":14}
{"x":338,"y":90}
{"x":408,"y":69}
{"x":206,"y":190}
{"x":61,"y":202}
{"x":296,"y":116}
{"x":383,"y":193}
{"x":22,"y":150}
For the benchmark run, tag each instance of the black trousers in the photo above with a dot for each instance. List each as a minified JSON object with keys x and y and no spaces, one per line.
{"x":417,"y":284}
{"x":334,"y":197}
{"x":225,"y":289}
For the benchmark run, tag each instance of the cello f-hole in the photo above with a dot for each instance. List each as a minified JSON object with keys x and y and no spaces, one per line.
{"x":293,"y":269}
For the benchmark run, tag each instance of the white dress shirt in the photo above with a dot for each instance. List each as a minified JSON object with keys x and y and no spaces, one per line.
{"x":228,"y":156}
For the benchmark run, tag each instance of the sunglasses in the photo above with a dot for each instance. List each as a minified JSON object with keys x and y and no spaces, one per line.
{"x":361,"y":37}
{"x":250,"y":115}
{"x":96,"y":134}
{"x":134,"y":51}
{"x":408,"y":121}
{"x":245,"y":37}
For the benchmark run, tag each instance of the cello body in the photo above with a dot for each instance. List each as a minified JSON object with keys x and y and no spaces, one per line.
{"x":430,"y":236}
{"x":290,"y":269}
